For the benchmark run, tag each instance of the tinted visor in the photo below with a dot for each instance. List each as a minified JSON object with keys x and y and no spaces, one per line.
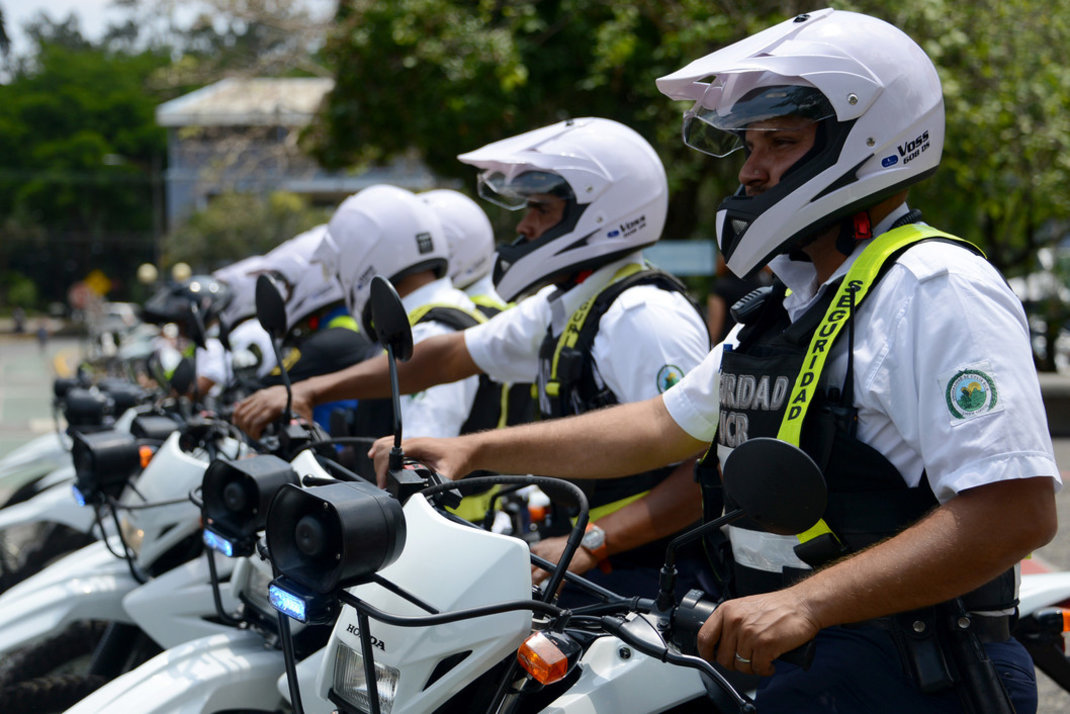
{"x":719,"y":133}
{"x":515,"y":192}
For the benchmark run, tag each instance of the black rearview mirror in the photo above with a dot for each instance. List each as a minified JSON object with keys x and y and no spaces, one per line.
{"x":776,"y":484}
{"x":183,"y":376}
{"x":270,"y":306}
{"x":391,"y":321}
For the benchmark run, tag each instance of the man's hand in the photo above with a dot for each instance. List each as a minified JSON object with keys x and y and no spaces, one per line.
{"x":450,"y":458}
{"x":261,"y":408}
{"x":551,"y":549}
{"x":747,"y":634}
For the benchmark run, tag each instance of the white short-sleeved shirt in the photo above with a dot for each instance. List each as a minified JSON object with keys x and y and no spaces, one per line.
{"x":248,"y":335}
{"x":646,"y":340}
{"x":216,"y":364}
{"x":441,"y":410}
{"x":941,"y":320}
{"x":212,"y":362}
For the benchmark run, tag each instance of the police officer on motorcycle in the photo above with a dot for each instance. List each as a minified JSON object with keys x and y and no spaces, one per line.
{"x":599,"y":326}
{"x":891,"y":352}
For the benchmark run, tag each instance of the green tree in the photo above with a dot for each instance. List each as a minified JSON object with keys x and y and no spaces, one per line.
{"x":237,"y":225}
{"x":445,"y":77}
{"x":79,"y":154}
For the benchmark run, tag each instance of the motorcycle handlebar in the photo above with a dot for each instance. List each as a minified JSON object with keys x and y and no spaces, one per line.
{"x":693,"y":611}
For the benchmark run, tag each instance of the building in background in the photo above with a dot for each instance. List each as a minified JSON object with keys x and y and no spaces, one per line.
{"x":241,"y":135}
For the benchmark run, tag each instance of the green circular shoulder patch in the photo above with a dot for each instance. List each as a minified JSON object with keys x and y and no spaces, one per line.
{"x":668,"y":375}
{"x":970,"y":392}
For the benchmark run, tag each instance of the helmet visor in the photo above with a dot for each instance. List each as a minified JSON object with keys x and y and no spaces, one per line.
{"x":515,"y":192}
{"x":719,"y":132}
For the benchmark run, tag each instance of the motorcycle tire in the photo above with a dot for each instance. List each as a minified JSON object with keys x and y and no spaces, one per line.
{"x":54,"y":541}
{"x":46,"y":657}
{"x":45,"y":695}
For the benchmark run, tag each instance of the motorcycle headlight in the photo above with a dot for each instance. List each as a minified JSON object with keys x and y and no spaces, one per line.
{"x":351,"y":686}
{"x":132,"y":535}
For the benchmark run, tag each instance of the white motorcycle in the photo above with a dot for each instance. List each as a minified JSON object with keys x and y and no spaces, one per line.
{"x":40,"y":521}
{"x":439,"y":614}
{"x":139,"y":580}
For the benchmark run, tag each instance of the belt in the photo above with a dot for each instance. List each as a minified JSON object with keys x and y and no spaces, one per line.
{"x":988,"y":628}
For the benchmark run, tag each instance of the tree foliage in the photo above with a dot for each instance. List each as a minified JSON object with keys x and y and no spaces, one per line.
{"x":447,"y":77}
{"x":79,"y":152}
{"x":236,"y":225}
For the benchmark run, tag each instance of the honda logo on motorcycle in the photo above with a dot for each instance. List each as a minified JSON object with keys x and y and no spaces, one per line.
{"x":376,"y":642}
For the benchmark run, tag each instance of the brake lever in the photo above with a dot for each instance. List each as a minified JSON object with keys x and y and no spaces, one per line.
{"x":629,"y":633}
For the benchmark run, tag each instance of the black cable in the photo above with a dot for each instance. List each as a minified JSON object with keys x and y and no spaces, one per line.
{"x":291,"y":663}
{"x":129,"y":554}
{"x":550,"y":484}
{"x":443,"y":618}
{"x":141,"y":507}
{"x":217,"y":597}
{"x":369,"y":663}
{"x":402,"y":593}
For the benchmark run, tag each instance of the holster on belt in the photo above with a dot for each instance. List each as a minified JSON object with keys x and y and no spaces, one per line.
{"x":941,"y":647}
{"x":917,"y":638}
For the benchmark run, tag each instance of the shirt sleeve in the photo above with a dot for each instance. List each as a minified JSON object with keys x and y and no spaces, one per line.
{"x":957,"y":379}
{"x":506,"y":347}
{"x":647,"y":341}
{"x":441,"y":410}
{"x":694,"y":401}
{"x":212,"y":362}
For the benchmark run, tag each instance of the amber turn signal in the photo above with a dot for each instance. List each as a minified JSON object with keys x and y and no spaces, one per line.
{"x":548,"y":656}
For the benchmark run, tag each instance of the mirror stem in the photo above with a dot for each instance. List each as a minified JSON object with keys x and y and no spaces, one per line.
{"x":275,"y":346}
{"x":667,"y":579}
{"x":396,"y":454}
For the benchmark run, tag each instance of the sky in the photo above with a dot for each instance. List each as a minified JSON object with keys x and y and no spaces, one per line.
{"x":94,"y":16}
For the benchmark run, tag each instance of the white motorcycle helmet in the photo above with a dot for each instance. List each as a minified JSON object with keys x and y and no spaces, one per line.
{"x":613,"y":183}
{"x":873,"y":92}
{"x":469,"y":235}
{"x":304,"y":283}
{"x":383,"y":230}
{"x":240,"y":277}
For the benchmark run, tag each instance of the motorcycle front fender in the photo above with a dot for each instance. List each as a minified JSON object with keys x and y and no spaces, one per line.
{"x":33,"y":460}
{"x":229,"y":671}
{"x":179,"y":605}
{"x":1040,"y":590}
{"x":54,"y":505}
{"x":307,"y":670}
{"x":88,"y":584}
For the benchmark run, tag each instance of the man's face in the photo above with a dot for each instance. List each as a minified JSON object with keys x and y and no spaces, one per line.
{"x":543,"y":212}
{"x":773,"y":147}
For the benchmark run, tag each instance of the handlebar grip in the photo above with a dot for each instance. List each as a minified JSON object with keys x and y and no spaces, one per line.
{"x":801,"y":656}
{"x":695,"y":609}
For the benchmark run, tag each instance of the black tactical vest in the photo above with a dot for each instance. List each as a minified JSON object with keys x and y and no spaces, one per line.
{"x":568,"y":382}
{"x":868,"y":499}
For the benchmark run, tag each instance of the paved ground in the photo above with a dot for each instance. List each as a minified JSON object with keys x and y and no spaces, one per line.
{"x":26,"y":373}
{"x":27,"y":370}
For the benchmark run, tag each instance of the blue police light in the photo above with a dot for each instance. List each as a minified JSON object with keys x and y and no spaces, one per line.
{"x":288,"y":603}
{"x":218,"y":542}
{"x":292,"y":599}
{"x":78,"y":497}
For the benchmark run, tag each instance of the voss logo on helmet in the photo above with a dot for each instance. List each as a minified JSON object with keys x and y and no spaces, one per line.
{"x":629,"y":227}
{"x":424,"y":244}
{"x":913,"y":148}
